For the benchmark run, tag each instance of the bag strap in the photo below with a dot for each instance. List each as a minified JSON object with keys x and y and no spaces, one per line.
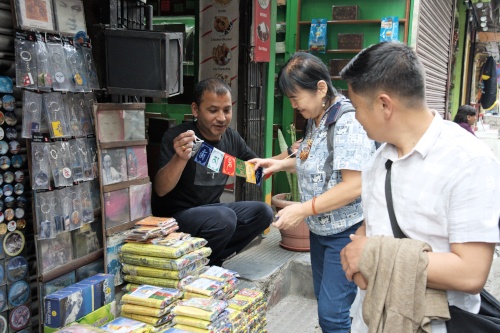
{"x":396,"y":230}
{"x":344,"y":108}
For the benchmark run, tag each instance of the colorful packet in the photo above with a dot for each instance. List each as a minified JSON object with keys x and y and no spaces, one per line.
{"x":202,"y":308}
{"x":147,"y":295}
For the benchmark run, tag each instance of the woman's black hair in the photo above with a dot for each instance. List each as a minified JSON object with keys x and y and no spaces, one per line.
{"x":463,"y":112}
{"x":304,"y":71}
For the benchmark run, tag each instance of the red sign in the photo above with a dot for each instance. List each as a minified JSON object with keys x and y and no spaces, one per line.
{"x":261,"y":30}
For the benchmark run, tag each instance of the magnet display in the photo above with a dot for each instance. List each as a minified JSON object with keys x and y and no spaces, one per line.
{"x":4,"y":162}
{"x":9,"y":201}
{"x":10,"y":118}
{"x":9,"y":103}
{"x":9,"y":214}
{"x":18,"y":293}
{"x":14,"y":147}
{"x":19,"y":317}
{"x":20,"y":225}
{"x":19,"y":213}
{"x":19,"y":189}
{"x":16,"y":268}
{"x":4,"y":147}
{"x":11,"y":226}
{"x":13,"y":243}
{"x":16,"y":161}
{"x":8,"y":177}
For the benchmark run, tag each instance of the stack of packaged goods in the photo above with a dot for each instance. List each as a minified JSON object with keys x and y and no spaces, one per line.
{"x":127,"y":325}
{"x":216,"y":282}
{"x":151,"y":305}
{"x":201,"y":315}
{"x":81,"y":328}
{"x":252,"y":304}
{"x":151,"y":228}
{"x":171,"y":262}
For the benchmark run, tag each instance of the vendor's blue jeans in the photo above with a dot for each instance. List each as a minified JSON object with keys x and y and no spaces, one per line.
{"x":333,"y":291}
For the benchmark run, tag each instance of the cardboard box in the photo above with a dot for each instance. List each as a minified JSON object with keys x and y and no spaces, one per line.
{"x":78,"y":300}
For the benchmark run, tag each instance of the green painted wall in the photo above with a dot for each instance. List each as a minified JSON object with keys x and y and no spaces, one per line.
{"x":458,"y":68}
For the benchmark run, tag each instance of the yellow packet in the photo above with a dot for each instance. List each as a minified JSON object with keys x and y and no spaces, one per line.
{"x":153,"y":296}
{"x":146,"y":310}
{"x":155,"y":321}
{"x":165,"y":263}
{"x":173,"y":250}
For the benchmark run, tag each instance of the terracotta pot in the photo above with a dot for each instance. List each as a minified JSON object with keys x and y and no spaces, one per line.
{"x":296,"y":239}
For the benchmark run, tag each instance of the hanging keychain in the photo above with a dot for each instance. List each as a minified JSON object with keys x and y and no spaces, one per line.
{"x":54,"y":164}
{"x":87,"y":211}
{"x":87,"y":165}
{"x":76,"y":161}
{"x":41,"y":179}
{"x":25,"y":60}
{"x":43,"y":64}
{"x":76,"y":220}
{"x":45,"y":225}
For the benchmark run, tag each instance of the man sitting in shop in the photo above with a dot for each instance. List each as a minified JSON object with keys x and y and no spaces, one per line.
{"x":190,"y":192}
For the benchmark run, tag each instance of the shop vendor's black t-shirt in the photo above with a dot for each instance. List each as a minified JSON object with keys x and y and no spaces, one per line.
{"x":198,"y":185}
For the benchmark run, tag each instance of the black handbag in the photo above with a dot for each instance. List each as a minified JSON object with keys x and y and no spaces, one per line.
{"x":488,"y":318}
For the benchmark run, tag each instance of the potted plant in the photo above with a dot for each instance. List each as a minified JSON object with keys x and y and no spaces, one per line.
{"x":296,"y":239}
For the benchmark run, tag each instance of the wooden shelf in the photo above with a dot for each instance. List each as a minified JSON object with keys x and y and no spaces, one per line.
{"x":125,"y":184}
{"x":71,"y":266}
{"x":402,"y":21}
{"x":122,"y":144}
{"x":337,"y":51}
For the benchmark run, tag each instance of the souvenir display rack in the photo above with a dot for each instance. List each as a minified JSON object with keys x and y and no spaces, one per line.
{"x":125,"y":183}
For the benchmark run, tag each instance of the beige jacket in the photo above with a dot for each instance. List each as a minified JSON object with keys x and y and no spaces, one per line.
{"x":397,"y":298}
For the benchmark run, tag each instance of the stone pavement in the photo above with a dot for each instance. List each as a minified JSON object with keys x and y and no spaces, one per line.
{"x":285,"y":277}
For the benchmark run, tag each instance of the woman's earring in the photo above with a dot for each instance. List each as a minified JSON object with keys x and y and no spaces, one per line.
{"x":195,"y":119}
{"x":324,"y":104}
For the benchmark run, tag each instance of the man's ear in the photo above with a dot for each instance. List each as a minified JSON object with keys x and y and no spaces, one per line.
{"x":386,"y":105}
{"x":194,"y":109}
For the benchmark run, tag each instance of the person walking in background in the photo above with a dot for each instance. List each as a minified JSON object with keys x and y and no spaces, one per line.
{"x":445,"y":190}
{"x":466,"y":117}
{"x":328,"y":164}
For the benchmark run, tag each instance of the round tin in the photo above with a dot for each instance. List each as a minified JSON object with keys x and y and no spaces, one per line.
{"x":14,"y":147}
{"x":21,"y":200}
{"x":11,"y":133}
{"x":10,"y":118}
{"x":18,"y":293}
{"x":19,"y":189}
{"x":11,"y":226}
{"x":9,"y":214}
{"x":8,"y":189}
{"x":19,"y":176}
{"x":16,"y":161}
{"x":4,"y":147}
{"x":16,"y":268}
{"x":9,"y":103}
{"x":19,"y":317}
{"x":13,"y":243}
{"x":4,"y":162}
{"x":19,"y":213}
{"x":9,"y":201}
{"x":8,"y":177}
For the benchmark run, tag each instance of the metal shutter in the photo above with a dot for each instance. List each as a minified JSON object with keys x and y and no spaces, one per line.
{"x":434,"y":34}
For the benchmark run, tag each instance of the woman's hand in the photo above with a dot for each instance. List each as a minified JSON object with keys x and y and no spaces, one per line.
{"x":268,"y":165}
{"x":183,"y":144}
{"x":289,"y":217}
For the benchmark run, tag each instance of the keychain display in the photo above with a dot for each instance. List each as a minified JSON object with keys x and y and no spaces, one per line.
{"x":74,"y":59}
{"x":44,"y":70}
{"x":90,"y":67}
{"x":26,"y":69}
{"x":60,"y":163}
{"x":56,"y":115}
{"x":40,"y":166}
{"x":60,"y":71}
{"x":32,"y":114}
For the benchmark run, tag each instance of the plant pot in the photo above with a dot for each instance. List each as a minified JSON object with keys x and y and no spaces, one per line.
{"x":296,"y":239}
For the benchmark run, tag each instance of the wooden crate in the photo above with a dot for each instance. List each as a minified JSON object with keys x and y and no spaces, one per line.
{"x":350,"y":41}
{"x":345,"y":12}
{"x":336,"y":66}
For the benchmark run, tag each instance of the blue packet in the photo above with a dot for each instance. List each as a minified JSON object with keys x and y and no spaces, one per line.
{"x":317,"y":36}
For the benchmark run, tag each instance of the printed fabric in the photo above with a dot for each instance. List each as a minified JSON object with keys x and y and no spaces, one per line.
{"x":322,"y":169}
